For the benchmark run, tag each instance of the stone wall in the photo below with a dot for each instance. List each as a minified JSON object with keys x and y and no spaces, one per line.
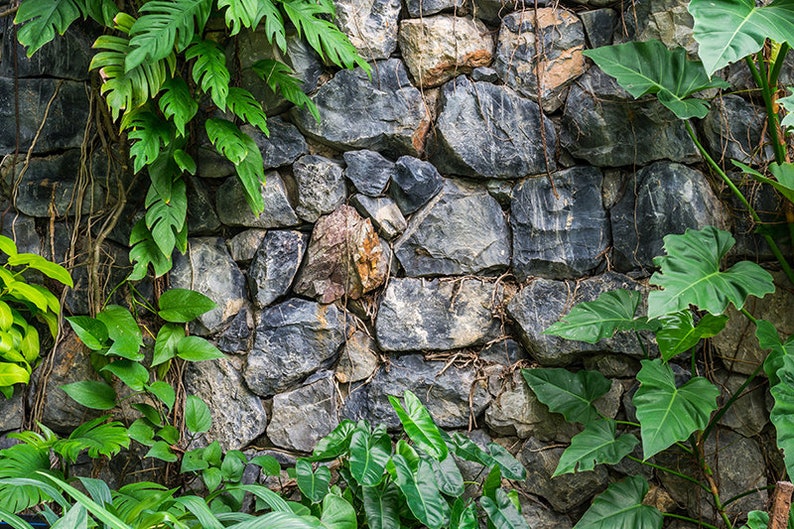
{"x":421,"y":236}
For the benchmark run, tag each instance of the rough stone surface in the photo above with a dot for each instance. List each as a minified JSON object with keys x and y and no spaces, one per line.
{"x":414,"y":183}
{"x":437,"y":48}
{"x":236,"y":338}
{"x":201,"y":216}
{"x":734,"y":130}
{"x":385,"y":114}
{"x":238,"y":416}
{"x":599,"y":25}
{"x":505,"y":352}
{"x":604,"y":126}
{"x":417,"y":314}
{"x":243,"y":246}
{"x":542,"y":302}
{"x":462,"y":231}
{"x":492,"y":11}
{"x":538,"y":516}
{"x":293,"y":340}
{"x":321,"y":186}
{"x":284,"y":145}
{"x":304,"y":416}
{"x":344,"y":258}
{"x":384,"y":214}
{"x":358,"y":359}
{"x":562,"y":236}
{"x":12,"y":412}
{"x":371,"y":25}
{"x":368,"y":171}
{"x":747,"y":415}
{"x":660,"y":199}
{"x":423,"y":8}
{"x":665,"y":20}
{"x":275,"y":265}
{"x":542,"y":67}
{"x":208,"y":268}
{"x":67,"y":56}
{"x":233,"y":210}
{"x":468,"y":141}
{"x":22,"y":230}
{"x":445,"y":391}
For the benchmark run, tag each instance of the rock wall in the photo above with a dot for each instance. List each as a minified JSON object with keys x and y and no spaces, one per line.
{"x":421,"y":236}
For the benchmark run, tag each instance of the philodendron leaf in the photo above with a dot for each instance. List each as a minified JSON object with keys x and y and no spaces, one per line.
{"x":768,"y":339}
{"x":592,"y":321}
{"x":649,"y":67}
{"x":382,"y":507}
{"x":679,"y":333}
{"x":783,"y":173}
{"x":369,"y":455}
{"x":567,"y":393}
{"x":335,"y":443}
{"x":690,"y":275}
{"x":419,"y":425}
{"x":502,"y":513}
{"x":597,"y":444}
{"x":448,"y":476}
{"x":312,"y":484}
{"x":421,"y":493}
{"x":782,"y":414}
{"x":621,"y":507}
{"x":729,"y":30}
{"x":669,"y":414}
{"x":338,"y":513}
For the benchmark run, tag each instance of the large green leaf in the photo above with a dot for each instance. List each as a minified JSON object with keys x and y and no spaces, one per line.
{"x":595,"y":445}
{"x":448,"y":476}
{"x":180,"y":305}
{"x":382,"y":507}
{"x":177,"y":103}
{"x":335,"y":443}
{"x":592,"y":321}
{"x":621,"y":507}
{"x":124,"y":331}
{"x":757,"y":520}
{"x":669,"y":414}
{"x":92,"y":394}
{"x":644,"y":68}
{"x":421,"y":493}
{"x":419,"y":425}
{"x":782,"y":414}
{"x":94,"y":508}
{"x":679,"y":333}
{"x":729,"y":30}
{"x":567,"y":393}
{"x":22,"y":461}
{"x":98,"y":437}
{"x":133,"y":374}
{"x":510,"y":467}
{"x":281,"y":80}
{"x":14,"y":521}
{"x":198,"y":418}
{"x":690,"y":275}
{"x":463,"y":515}
{"x":91,"y":331}
{"x":165,"y":346}
{"x":11,"y":374}
{"x":74,"y":518}
{"x":369,"y":455}
{"x":338,"y":513}
{"x":769,"y":339}
{"x":41,"y":19}
{"x":48,"y":268}
{"x":197,"y":349}
{"x":502,"y":513}
{"x":210,"y":71}
{"x":468,"y":450}
{"x":245,"y":106}
{"x":312,"y":484}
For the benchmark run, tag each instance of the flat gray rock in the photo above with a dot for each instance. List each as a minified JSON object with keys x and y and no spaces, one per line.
{"x":275,"y":265}
{"x":384,"y":213}
{"x":368,"y":171}
{"x":371,"y":25}
{"x":304,"y":416}
{"x":320,"y":186}
{"x":233,"y":210}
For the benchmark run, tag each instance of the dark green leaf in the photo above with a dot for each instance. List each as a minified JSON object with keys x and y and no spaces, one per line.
{"x":251,"y":173}
{"x":463,"y":516}
{"x":198,"y":507}
{"x":419,"y":425}
{"x":502,"y":513}
{"x":784,"y":173}
{"x":269,"y":465}
{"x":281,"y":80}
{"x":511,"y":468}
{"x":209,"y":70}
{"x":233,"y":465}
{"x":123,"y":330}
{"x":197,"y":349}
{"x":163,"y":391}
{"x":133,"y":374}
{"x":466,"y":449}
{"x":140,"y":431}
{"x":678,"y":332}
{"x":492,"y":482}
{"x":41,"y":19}
{"x":91,"y":331}
{"x":165,"y":345}
{"x":757,"y":520}
{"x":335,"y":443}
{"x":151,"y":413}
{"x":74,"y":518}
{"x":149,"y":133}
{"x":198,"y":418}
{"x":180,"y":305}
{"x":96,"y":510}
{"x":596,"y":445}
{"x":592,"y":321}
{"x":245,"y":106}
{"x":782,"y":414}
{"x":421,"y":493}
{"x":382,"y":507}
{"x":91,"y":394}
{"x":448,"y":476}
{"x":567,"y":393}
{"x":177,"y":103}
{"x":768,"y":339}
{"x":369,"y":455}
{"x":98,"y":437}
{"x":193,"y":461}
{"x":621,"y":507}
{"x":314,"y":485}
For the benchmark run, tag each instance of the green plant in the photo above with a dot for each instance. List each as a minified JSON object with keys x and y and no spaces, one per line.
{"x":692,"y":287}
{"x":22,"y":300}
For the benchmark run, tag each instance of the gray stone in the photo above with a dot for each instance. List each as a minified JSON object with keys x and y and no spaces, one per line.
{"x":462,"y":231}
{"x":747,"y":414}
{"x":560,"y":227}
{"x":468,"y":141}
{"x":612,"y":366}
{"x":506,"y":352}
{"x":562,"y":492}
{"x":371,"y":25}
{"x":543,"y":302}
{"x":67,"y":56}
{"x":414,"y":183}
{"x":233,"y":210}
{"x":275,"y":265}
{"x":368,"y":171}
{"x":438,"y":48}
{"x":660,"y":199}
{"x":417,"y":314}
{"x":293,"y":340}
{"x":321,"y":186}
{"x":538,"y":516}
{"x":384,"y":113}
{"x":304,"y":416}
{"x":539,"y":53}
{"x":358,"y":359}
{"x":212,"y":164}
{"x":22,"y":230}
{"x":485,"y":73}
{"x":451,"y":394}
{"x":12,"y":411}
{"x":201,"y":216}
{"x":665,"y":20}
{"x":208,"y":268}
{"x":423,"y":8}
{"x":66,"y":115}
{"x":604,"y":126}
{"x":236,"y":338}
{"x":384,"y":214}
{"x":238,"y":416}
{"x":243,"y":246}
{"x":599,"y":24}
{"x":734,"y":130}
{"x":284,"y":145}
{"x":492,"y":11}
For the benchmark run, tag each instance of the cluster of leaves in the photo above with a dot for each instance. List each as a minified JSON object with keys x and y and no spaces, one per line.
{"x":690,"y":278}
{"x":157,"y":64}
{"x":22,"y":301}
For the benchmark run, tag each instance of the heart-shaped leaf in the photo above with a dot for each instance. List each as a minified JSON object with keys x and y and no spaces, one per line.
{"x":782,"y":414}
{"x":595,"y":445}
{"x":369,"y":455}
{"x":382,"y":507}
{"x":567,"y":393}
{"x":312,"y":484}
{"x":679,"y":332}
{"x":421,"y":493}
{"x":419,"y":425}
{"x":502,"y":513}
{"x":621,"y":507}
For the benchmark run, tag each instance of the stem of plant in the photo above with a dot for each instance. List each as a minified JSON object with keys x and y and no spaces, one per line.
{"x":760,"y":76}
{"x":670,"y":471}
{"x":747,"y":493}
{"x":712,"y":488}
{"x":688,"y":519}
{"x":733,"y":398}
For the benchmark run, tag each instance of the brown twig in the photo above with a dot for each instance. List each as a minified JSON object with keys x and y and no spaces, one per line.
{"x":781,"y":505}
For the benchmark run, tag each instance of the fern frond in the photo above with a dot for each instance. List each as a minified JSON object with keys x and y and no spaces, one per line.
{"x":165,"y":26}
{"x":279,"y":77}
{"x":98,"y":437}
{"x":177,"y":103}
{"x":210,"y":71}
{"x":41,"y":19}
{"x":22,"y":461}
{"x":245,"y":106}
{"x":148,"y":132}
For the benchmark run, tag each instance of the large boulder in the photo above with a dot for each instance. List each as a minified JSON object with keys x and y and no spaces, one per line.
{"x":233,"y":210}
{"x":371,"y":25}
{"x":303,"y":416}
{"x":275,"y":264}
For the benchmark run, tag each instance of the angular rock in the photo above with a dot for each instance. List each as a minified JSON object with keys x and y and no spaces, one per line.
{"x":275,"y":264}
{"x":438,"y":48}
{"x":371,"y":25}
{"x":665,"y":20}
{"x":384,"y":214}
{"x":538,"y":516}
{"x":485,"y":73}
{"x":414,"y":183}
{"x":304,"y":416}
{"x":417,"y":314}
{"x":612,"y":366}
{"x":599,"y":24}
{"x":344,"y":259}
{"x":543,"y":302}
{"x":201,"y":216}
{"x":368,"y":171}
{"x":233,"y":210}
{"x":22,"y":230}
{"x":492,"y":11}
{"x":505,"y":352}
{"x":284,"y":145}
{"x":12,"y":411}
{"x":545,"y":68}
{"x":423,"y":8}
{"x":385,"y":114}
{"x":293,"y":340}
{"x":463,"y":231}
{"x":238,"y":416}
{"x":603,"y":125}
{"x":236,"y":338}
{"x":734,"y":130}
{"x":747,"y":415}
{"x":243,"y":246}
{"x":358,"y":359}
{"x":321,"y":186}
{"x":660,"y":199}
{"x":208,"y":268}
{"x":68,"y":56}
{"x":444,"y":389}
{"x":560,"y":227}
{"x":468,"y":141}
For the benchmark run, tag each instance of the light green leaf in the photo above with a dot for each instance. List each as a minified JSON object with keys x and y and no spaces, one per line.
{"x":166,"y":217}
{"x":567,"y":393}
{"x":41,"y":19}
{"x":690,"y":275}
{"x":502,"y":513}
{"x":757,"y":520}
{"x":199,"y":508}
{"x":678,"y":332}
{"x":91,"y":394}
{"x":75,"y":518}
{"x":184,"y":161}
{"x":162,"y":451}
{"x":163,"y":391}
{"x":151,"y":413}
{"x":6,"y":316}
{"x":168,"y":337}
{"x":15,"y":522}
{"x":180,"y":305}
{"x":314,"y":485}
{"x":419,"y":425}
{"x":269,"y":464}
{"x":369,"y":455}
{"x":144,"y":252}
{"x":233,"y":465}
{"x":149,"y":133}
{"x":22,"y":461}
{"x":644,"y":68}
{"x":729,"y":30}
{"x":768,"y":339}
{"x":98,"y":437}
{"x":782,"y":414}
{"x":140,"y":431}
{"x":382,"y":507}
{"x":788,"y":104}
{"x":228,"y":139}
{"x":209,"y":70}
{"x":133,"y":374}
{"x":48,"y":268}
{"x":421,"y":493}
{"x":177,"y":103}
{"x":621,"y":507}
{"x":198,"y":418}
{"x":251,"y":173}
{"x":245,"y":106}
{"x":11,"y":374}
{"x":197,"y":349}
{"x":124,"y":331}
{"x":91,"y":331}
{"x":668,"y":414}
{"x":338,"y":513}
{"x":7,"y":246}
{"x":595,"y":445}
{"x":96,"y":510}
